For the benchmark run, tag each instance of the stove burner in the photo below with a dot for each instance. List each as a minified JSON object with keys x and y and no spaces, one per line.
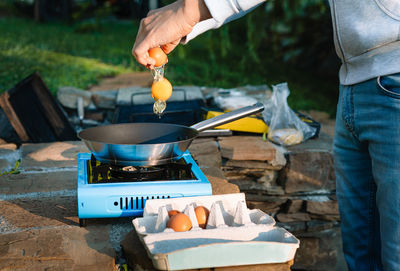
{"x":105,"y":173}
{"x":137,"y":173}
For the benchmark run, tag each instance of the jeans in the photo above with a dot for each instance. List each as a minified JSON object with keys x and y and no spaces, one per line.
{"x":367,"y":163}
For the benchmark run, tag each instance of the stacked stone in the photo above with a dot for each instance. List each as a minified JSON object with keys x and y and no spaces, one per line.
{"x":295,"y":185}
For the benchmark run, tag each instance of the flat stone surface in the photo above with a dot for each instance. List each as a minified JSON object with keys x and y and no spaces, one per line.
{"x":206,"y":153}
{"x":253,"y":187}
{"x":333,"y":218}
{"x":323,"y":143}
{"x":37,"y":182}
{"x":320,"y":251}
{"x":7,"y":146}
{"x":268,"y":206}
{"x":67,"y":248}
{"x":203,"y":146}
{"x":294,"y":227}
{"x":246,"y":148}
{"x":8,"y":156}
{"x":251,"y":164}
{"x":218,"y":182}
{"x":39,"y":212}
{"x":282,"y":217}
{"x":323,"y":208}
{"x":5,"y":166}
{"x":294,"y":206}
{"x":51,"y":155}
{"x":309,"y":171}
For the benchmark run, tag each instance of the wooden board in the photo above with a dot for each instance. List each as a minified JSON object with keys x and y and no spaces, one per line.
{"x":34,"y":113}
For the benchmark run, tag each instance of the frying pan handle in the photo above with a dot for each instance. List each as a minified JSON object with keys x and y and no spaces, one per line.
{"x":228,"y":117}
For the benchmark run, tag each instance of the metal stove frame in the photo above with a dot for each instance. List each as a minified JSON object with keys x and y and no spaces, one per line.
{"x":103,"y":200}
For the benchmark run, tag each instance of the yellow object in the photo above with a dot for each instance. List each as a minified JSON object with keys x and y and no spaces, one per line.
{"x":161,"y":90}
{"x":248,"y":124}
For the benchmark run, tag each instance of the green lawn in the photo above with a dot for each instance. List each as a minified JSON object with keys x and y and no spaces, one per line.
{"x":66,"y":55}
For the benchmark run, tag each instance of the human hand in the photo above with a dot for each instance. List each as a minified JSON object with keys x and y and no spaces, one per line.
{"x":165,"y":27}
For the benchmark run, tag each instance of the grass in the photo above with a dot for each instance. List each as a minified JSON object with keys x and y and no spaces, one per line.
{"x":62,"y":55}
{"x":78,"y":56}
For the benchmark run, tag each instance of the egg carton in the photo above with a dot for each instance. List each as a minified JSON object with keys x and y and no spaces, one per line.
{"x":234,"y":235}
{"x":228,"y":210}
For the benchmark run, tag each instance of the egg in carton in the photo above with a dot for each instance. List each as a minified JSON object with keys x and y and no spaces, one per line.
{"x":234,"y":235}
{"x":227,"y":210}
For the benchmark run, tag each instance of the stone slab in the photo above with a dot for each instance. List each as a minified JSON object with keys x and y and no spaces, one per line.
{"x":308,"y":171}
{"x":218,"y":182}
{"x":251,"y":164}
{"x":203,"y":146}
{"x":246,"y":148}
{"x":323,"y":143}
{"x":320,"y":251}
{"x":8,"y":156}
{"x":323,"y":208}
{"x":268,"y":206}
{"x":318,"y":225}
{"x":294,"y":206}
{"x":293,"y":227}
{"x":37,"y":182}
{"x":333,"y":218}
{"x":252,"y":186}
{"x":27,"y":213}
{"x":282,"y":217}
{"x":51,"y":155}
{"x":68,"y":248}
{"x":7,"y":146}
{"x":206,"y":153}
{"x":137,"y":257}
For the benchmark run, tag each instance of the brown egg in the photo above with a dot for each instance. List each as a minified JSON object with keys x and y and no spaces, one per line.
{"x":179,"y":222}
{"x":173,"y":212}
{"x":202,"y":216}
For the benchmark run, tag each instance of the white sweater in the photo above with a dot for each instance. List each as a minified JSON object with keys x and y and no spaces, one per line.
{"x":366,"y":33}
{"x":222,"y":12}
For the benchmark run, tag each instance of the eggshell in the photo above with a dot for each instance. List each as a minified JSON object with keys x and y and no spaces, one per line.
{"x":202,"y":216}
{"x":179,"y":222}
{"x":173,"y":212}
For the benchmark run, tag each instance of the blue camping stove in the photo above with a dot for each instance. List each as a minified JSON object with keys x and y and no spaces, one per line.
{"x":115,"y":191}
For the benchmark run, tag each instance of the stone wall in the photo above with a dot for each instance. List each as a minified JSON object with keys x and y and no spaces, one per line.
{"x":295,"y":185}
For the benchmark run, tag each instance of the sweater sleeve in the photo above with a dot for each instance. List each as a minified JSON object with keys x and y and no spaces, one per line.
{"x":222,"y":11}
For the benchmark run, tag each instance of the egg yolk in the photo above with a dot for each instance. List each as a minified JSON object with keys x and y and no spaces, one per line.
{"x":161,"y":90}
{"x":179,"y":222}
{"x":202,"y":216}
{"x":159,"y":56}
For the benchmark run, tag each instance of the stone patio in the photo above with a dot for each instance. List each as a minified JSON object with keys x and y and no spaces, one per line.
{"x":39,"y":227}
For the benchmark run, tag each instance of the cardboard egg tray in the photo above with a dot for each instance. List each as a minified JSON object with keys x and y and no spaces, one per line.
{"x":234,"y":235}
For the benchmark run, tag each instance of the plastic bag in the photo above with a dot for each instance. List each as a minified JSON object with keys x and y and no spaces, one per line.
{"x":285,"y":127}
{"x":231,"y":99}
